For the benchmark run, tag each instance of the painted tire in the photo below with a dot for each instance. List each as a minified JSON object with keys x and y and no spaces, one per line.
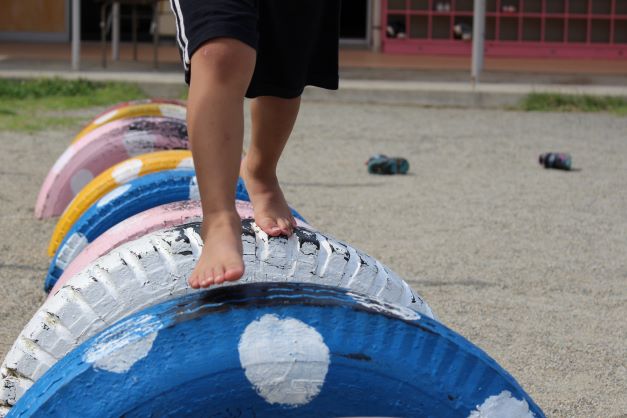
{"x":101,"y":149}
{"x":155,"y":268}
{"x":169,"y":110}
{"x":123,"y":202}
{"x":141,"y":102}
{"x":269,"y":350}
{"x":151,"y":220}
{"x":108,"y":180}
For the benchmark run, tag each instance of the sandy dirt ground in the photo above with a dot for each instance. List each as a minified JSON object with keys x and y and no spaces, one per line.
{"x":529,"y":264}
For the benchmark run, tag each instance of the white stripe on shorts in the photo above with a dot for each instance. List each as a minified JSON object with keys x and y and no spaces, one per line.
{"x":180,"y":31}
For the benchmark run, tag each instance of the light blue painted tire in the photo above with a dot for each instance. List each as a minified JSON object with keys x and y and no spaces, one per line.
{"x":123,"y":202}
{"x":268,"y":350}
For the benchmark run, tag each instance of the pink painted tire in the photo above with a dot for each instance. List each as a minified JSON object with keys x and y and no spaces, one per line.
{"x":101,"y":149}
{"x":151,"y":220}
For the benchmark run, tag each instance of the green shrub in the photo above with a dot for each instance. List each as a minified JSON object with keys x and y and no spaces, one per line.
{"x":573,"y":103}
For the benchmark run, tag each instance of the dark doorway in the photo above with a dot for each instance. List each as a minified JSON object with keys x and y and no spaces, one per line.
{"x":354,"y":19}
{"x":90,"y":22}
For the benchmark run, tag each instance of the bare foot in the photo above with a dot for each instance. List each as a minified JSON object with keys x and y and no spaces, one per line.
{"x":221,"y":257}
{"x":272,"y":214}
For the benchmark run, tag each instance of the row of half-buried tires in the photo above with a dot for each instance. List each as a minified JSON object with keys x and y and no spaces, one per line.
{"x":314,"y":328}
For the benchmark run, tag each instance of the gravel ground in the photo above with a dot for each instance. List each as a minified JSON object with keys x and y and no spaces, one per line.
{"x":527,"y":263}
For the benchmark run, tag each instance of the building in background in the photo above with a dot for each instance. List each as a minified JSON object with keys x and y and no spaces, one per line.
{"x":514,"y":28}
{"x":35,"y":20}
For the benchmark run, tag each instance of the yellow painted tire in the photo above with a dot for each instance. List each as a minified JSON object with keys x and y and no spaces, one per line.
{"x":120,"y":173}
{"x":132,"y":111}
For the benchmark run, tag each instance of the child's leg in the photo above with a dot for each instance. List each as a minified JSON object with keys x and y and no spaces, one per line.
{"x":221,"y":72}
{"x":272,"y":122}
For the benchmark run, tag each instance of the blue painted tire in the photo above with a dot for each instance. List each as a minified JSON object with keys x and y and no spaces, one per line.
{"x":267,"y":350}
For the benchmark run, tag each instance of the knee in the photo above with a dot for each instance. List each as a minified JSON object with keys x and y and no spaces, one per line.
{"x":224,"y":60}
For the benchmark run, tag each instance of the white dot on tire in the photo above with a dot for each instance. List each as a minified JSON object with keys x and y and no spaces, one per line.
{"x":285,"y":360}
{"x":80,"y":180}
{"x":502,"y":405}
{"x":113,"y":194}
{"x":127,"y":170}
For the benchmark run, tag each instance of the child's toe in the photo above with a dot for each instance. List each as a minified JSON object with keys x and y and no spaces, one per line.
{"x":219,"y":275}
{"x":207,"y":279}
{"x":234,"y":272}
{"x":269,"y":226}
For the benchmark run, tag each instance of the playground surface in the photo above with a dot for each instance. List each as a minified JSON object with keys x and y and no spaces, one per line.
{"x":527,"y":263}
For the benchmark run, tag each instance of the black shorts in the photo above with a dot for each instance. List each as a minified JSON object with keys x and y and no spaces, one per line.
{"x":296,"y":40}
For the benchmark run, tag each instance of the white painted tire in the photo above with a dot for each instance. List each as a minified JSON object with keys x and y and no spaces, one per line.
{"x":156,"y":267}
{"x":135,"y":227}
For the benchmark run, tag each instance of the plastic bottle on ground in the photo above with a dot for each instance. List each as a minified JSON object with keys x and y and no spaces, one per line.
{"x":558,"y":160}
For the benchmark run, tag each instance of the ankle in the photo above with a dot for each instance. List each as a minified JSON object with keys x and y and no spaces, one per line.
{"x":220,"y":219}
{"x":260,"y":171}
